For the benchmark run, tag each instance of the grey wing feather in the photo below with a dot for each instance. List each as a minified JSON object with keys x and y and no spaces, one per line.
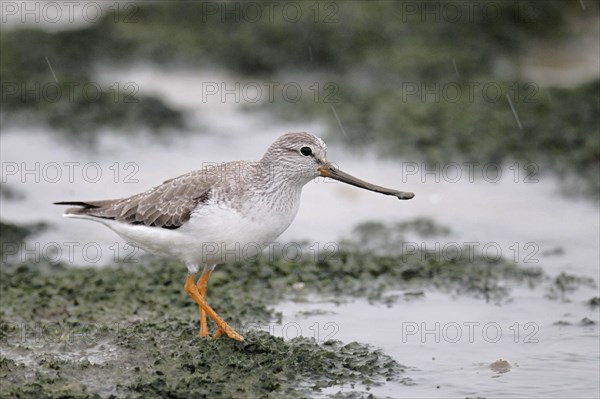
{"x":169,"y":205}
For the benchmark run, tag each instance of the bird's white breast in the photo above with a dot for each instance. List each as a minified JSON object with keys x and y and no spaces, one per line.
{"x":215,"y":233}
{"x":228,"y":235}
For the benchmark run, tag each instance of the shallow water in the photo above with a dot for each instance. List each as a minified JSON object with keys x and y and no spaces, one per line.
{"x":516,"y":217}
{"x":449,"y":343}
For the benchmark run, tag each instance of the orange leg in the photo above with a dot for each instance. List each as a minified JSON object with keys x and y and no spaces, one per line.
{"x":223,"y":328}
{"x":201,"y":285}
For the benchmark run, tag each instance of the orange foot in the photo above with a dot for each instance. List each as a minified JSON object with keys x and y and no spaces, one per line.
{"x":197,"y":292}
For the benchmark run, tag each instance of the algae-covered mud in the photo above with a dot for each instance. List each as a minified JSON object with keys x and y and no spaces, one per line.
{"x":130,"y":331}
{"x":133,"y":333}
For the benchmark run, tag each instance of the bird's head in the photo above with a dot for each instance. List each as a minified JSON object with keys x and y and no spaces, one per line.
{"x":303,"y":156}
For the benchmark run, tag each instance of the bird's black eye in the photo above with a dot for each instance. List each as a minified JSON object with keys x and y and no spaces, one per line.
{"x":306,"y":151}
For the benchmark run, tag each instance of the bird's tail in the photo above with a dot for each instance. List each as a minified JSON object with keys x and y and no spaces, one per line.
{"x":83,"y":207}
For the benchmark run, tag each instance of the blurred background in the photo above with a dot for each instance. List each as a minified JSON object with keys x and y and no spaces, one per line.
{"x":488,"y":110}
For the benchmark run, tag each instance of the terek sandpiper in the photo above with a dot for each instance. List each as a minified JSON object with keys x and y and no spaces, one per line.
{"x":201,"y":216}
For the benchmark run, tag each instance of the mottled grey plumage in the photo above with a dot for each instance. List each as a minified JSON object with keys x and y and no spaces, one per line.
{"x":170,"y":205}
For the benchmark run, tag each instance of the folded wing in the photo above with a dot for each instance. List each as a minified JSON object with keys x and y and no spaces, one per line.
{"x":168,"y":206}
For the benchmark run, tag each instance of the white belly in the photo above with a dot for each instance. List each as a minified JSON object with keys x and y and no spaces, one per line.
{"x":225,"y":235}
{"x":213,"y":235}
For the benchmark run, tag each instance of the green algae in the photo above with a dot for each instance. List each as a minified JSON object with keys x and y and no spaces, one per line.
{"x":564,"y":284}
{"x":146,"y":329}
{"x":369,"y":68}
{"x":10,"y":193}
{"x":557,"y":129}
{"x":189,"y":366}
{"x":67,"y":98}
{"x":265,"y":365}
{"x":335,"y":36}
{"x":81,"y":331}
{"x":586,"y":322}
{"x":152,"y":361}
{"x":12,"y":235}
{"x":379,"y":237}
